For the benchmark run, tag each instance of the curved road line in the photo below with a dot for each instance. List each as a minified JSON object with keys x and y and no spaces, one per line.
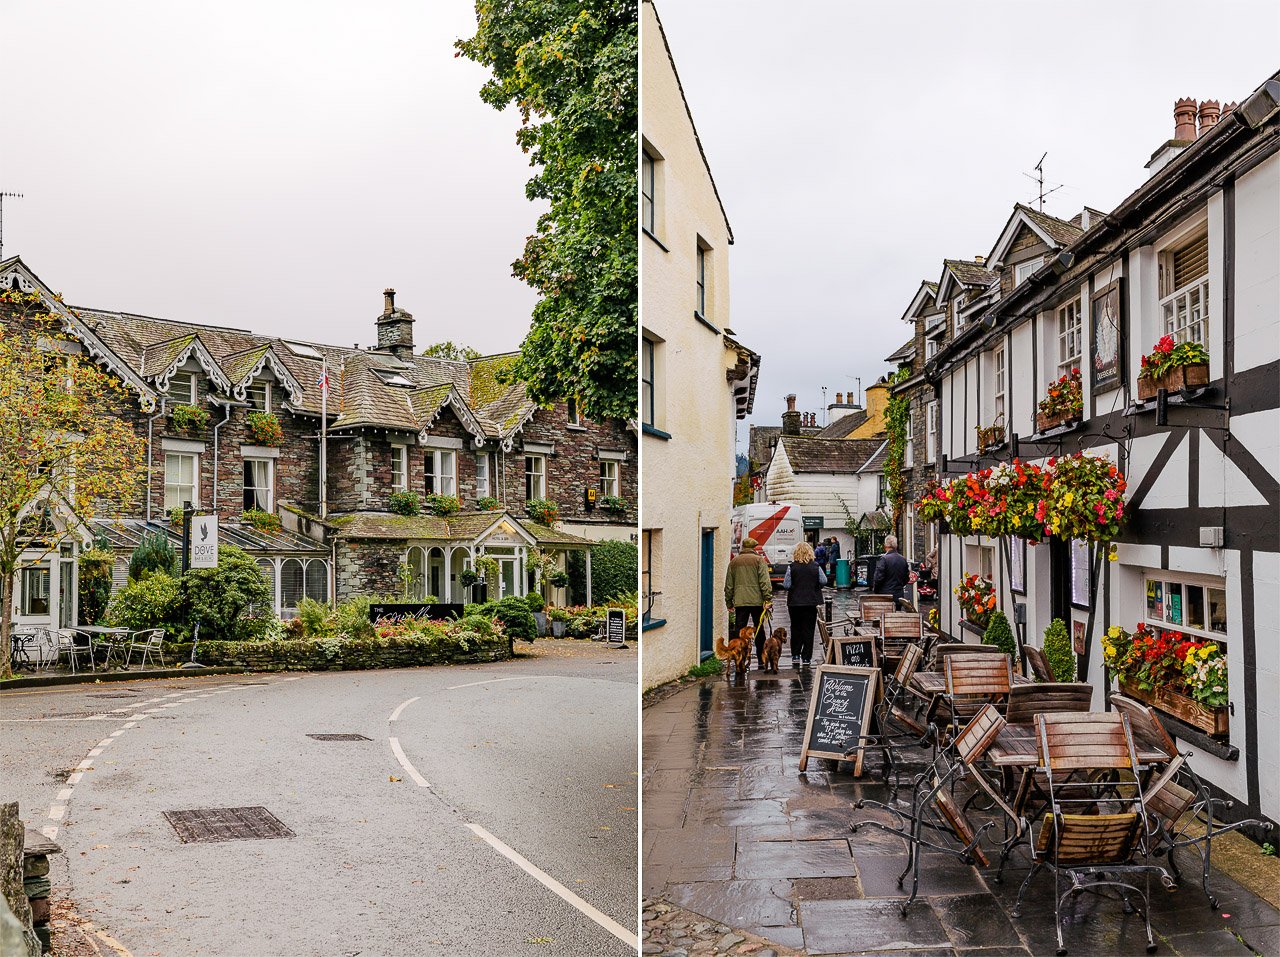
{"x":522,"y":862}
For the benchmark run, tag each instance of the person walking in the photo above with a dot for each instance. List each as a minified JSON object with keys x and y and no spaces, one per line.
{"x":747,"y":589}
{"x":820,"y":554}
{"x":833,"y":555}
{"x":892,"y":571}
{"x":803,"y":581}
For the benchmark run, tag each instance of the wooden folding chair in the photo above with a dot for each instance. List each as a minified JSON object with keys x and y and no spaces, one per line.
{"x":900,"y":705}
{"x":897,"y":630}
{"x":973,"y":681}
{"x":871,"y":607}
{"x":946,"y":649}
{"x":1041,"y":670}
{"x":1027,"y":701}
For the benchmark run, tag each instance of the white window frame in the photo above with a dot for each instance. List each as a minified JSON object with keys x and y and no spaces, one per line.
{"x":399,"y":469}
{"x":43,"y":570}
{"x":1023,"y":271}
{"x":482,"y":475}
{"x":189,"y":393}
{"x":175,"y":487}
{"x":908,"y":451}
{"x":535,"y":477}
{"x":931,"y":433}
{"x":1070,"y":320}
{"x":700,"y":297}
{"x":1186,"y":582}
{"x":1184,"y":311}
{"x":930,"y":348}
{"x":252,"y":388}
{"x":271,"y":480}
{"x":649,"y":192}
{"x":999,"y":373}
{"x":649,"y":381}
{"x":610,"y":478}
{"x":441,"y":472}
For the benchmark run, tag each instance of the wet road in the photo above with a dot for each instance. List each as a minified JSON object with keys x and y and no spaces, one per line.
{"x":496,"y":814}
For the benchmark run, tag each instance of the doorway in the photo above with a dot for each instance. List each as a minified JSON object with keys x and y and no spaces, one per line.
{"x":707,"y":596}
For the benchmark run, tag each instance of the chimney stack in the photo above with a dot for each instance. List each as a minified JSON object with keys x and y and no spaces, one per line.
{"x":395,"y":328}
{"x":1184,"y":119}
{"x":1210,"y":110}
{"x":839,"y":398}
{"x":791,"y":418}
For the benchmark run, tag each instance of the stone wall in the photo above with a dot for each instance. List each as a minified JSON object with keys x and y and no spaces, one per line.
{"x":368,"y":567}
{"x":308,"y":654}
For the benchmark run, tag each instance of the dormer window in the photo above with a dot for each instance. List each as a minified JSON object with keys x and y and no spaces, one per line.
{"x":1023,"y":271}
{"x":391,"y":377}
{"x":258,"y":395}
{"x":182,"y":389}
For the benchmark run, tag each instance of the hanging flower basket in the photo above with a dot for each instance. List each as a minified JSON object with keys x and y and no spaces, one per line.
{"x":264,"y":429}
{"x":990,"y":436}
{"x":1173,"y":366}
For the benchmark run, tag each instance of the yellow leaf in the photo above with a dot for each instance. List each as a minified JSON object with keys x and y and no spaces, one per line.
{"x":392,"y":778}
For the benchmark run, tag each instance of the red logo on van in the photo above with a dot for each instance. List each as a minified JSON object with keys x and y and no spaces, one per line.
{"x":770,"y":525}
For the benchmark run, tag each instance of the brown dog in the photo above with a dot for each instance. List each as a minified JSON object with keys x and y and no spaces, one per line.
{"x":773,"y":650}
{"x":736,"y":652}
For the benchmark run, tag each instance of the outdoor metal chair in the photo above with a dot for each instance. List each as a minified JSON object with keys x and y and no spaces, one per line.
{"x":897,"y":630}
{"x":147,"y":642}
{"x":1093,"y":832}
{"x":1027,"y":701}
{"x":898,"y":704}
{"x":972,"y":682}
{"x":1041,"y":670}
{"x":969,"y":748}
{"x":68,"y":647}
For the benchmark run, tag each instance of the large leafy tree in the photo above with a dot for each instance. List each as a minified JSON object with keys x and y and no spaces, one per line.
{"x":65,"y":452}
{"x":570,"y":68}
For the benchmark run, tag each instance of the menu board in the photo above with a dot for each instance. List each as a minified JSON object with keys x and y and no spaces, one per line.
{"x":856,"y":651}
{"x":839,"y":711}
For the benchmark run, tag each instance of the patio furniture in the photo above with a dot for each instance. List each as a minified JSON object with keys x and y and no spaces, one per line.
{"x":71,"y":649}
{"x":147,"y":642}
{"x":969,"y":748}
{"x":23,"y":643}
{"x":901,"y":705}
{"x":973,"y":681}
{"x":948,"y":648}
{"x":897,"y":630}
{"x":1041,"y":670}
{"x":871,"y":607}
{"x":1028,"y":700}
{"x":1092,"y":833}
{"x":112,"y":642}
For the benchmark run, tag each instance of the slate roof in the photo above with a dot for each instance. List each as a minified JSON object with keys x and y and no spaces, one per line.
{"x":1061,"y":231}
{"x":904,"y":351}
{"x":970,"y":273}
{"x":842,"y":426}
{"x":877,"y":460}
{"x":843,"y":456}
{"x":127,"y":533}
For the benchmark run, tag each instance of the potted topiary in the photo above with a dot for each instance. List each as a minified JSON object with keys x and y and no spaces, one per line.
{"x":1173,"y":366}
{"x":559,"y":618}
{"x":537,"y":607}
{"x":1058,"y":651}
{"x":999,"y":633}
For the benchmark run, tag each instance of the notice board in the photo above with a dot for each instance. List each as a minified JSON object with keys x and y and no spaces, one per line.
{"x":839,"y":712}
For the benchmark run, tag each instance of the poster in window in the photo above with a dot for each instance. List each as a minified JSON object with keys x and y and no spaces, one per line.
{"x":1107,"y":330}
{"x":1079,"y":573}
{"x":1018,"y":565}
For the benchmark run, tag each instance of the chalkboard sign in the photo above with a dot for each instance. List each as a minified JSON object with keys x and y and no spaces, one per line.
{"x":839,"y":711}
{"x":615,"y":626}
{"x":855,"y":650}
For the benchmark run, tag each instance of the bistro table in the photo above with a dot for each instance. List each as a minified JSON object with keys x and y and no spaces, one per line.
{"x":22,"y":643}
{"x":930,"y":683}
{"x":1015,"y":747}
{"x":107,"y":638}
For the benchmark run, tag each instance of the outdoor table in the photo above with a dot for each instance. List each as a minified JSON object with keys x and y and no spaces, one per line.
{"x":929,"y":683}
{"x":102,"y":636}
{"x":20,"y":647}
{"x":1015,"y":747}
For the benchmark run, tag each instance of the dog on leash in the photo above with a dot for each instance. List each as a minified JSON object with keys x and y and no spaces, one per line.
{"x":773,"y":650}
{"x":737,"y":652}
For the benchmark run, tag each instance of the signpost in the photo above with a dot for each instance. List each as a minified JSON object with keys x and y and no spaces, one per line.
{"x":204,"y":541}
{"x":839,"y":711}
{"x":615,"y":627}
{"x":858,"y":651}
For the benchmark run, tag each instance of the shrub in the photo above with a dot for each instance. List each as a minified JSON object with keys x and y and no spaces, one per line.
{"x":614,"y":570}
{"x":512,"y":611}
{"x":150,"y":602}
{"x":95,"y":584}
{"x":264,"y":428}
{"x":999,"y":633}
{"x":190,"y":418}
{"x":1058,"y":651}
{"x":443,"y":505}
{"x":534,"y":602}
{"x":558,"y":614}
{"x":153,"y":554}
{"x":480,"y":624}
{"x":468,"y":577}
{"x":266,"y":521}
{"x":313,"y":618}
{"x":542,"y":511}
{"x":708,"y":669}
{"x":487,"y":503}
{"x":351,"y":618}
{"x":405,"y":503}
{"x":219,"y":597}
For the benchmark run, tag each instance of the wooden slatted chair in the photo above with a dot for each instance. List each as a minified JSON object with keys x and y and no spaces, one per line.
{"x":973,"y":681}
{"x":969,"y":747}
{"x":1094,"y":829}
{"x":1041,"y":670}
{"x":897,"y":630}
{"x":1027,"y":701}
{"x":899,"y":706}
{"x":871,"y":607}
{"x":946,"y":649}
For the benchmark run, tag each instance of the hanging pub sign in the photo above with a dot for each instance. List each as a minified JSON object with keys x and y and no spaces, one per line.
{"x":204,"y":541}
{"x":839,"y":713}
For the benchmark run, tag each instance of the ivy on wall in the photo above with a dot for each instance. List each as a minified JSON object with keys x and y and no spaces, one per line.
{"x":896,"y":414}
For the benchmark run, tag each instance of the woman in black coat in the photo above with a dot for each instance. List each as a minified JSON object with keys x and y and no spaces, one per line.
{"x":804,"y":581}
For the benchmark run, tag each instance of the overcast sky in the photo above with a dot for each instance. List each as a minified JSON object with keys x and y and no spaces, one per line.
{"x":857,"y":145}
{"x":264,"y":165}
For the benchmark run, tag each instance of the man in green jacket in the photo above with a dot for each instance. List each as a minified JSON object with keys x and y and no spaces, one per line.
{"x":747,"y":590}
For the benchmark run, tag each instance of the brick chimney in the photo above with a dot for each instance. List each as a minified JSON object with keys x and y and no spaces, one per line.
{"x":1184,"y":120}
{"x":1210,"y":110}
{"x":791,"y":418}
{"x":395,"y":328}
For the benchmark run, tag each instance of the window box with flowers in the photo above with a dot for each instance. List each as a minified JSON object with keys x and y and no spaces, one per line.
{"x":543,"y":511}
{"x":442,"y":505}
{"x":1181,"y":675}
{"x":487,"y":503}
{"x":977,"y":597}
{"x":1173,"y":366}
{"x":189,"y":419}
{"x":614,"y":504}
{"x":1063,"y":403}
{"x":264,"y":429}
{"x":990,"y":436}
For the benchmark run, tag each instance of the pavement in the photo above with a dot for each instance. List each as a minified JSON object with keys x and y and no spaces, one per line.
{"x":735,"y":837}
{"x":492,"y":809}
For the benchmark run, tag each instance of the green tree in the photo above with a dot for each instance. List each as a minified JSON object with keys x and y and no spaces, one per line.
{"x":1058,"y":651}
{"x":219,"y":597}
{"x":153,"y":554}
{"x":999,"y":633}
{"x":570,"y":69}
{"x":449,"y":350}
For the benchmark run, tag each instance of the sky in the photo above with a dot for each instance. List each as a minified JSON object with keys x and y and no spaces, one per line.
{"x":271,"y":166}
{"x":857,"y":145}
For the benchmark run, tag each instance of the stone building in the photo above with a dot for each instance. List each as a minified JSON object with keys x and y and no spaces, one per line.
{"x":232,"y":422}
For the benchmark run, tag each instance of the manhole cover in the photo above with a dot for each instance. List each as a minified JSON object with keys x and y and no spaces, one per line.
{"x":211,"y":824}
{"x":339,"y":737}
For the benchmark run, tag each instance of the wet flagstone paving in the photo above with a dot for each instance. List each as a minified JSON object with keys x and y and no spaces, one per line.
{"x":735,"y":837}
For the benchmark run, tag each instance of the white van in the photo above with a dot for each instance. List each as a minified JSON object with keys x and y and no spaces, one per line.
{"x":778,"y":527}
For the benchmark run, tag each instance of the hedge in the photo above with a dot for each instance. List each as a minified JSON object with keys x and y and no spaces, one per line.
{"x":345,"y":654}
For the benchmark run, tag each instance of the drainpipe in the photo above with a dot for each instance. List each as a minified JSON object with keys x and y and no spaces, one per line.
{"x":225,"y":418}
{"x":164,"y":400}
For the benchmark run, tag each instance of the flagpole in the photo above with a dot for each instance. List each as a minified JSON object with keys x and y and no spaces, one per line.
{"x":324,"y":437}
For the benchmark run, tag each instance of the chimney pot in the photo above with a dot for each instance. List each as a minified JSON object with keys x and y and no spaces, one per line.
{"x":791,"y":403}
{"x":1184,"y":119}
{"x":388,"y":301}
{"x":791,"y":419}
{"x":1210,"y":110}
{"x":839,"y":398}
{"x":395,"y":328}
{"x":980,"y":260}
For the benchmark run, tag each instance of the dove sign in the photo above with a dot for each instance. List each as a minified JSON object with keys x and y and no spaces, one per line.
{"x":204,"y":541}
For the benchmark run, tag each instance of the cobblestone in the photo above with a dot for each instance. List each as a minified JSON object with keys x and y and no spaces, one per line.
{"x":675,"y":932}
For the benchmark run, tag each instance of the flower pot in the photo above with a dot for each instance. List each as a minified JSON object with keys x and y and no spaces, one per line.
{"x":1175,"y":380}
{"x":541,"y":618}
{"x":1212,"y":721}
{"x":1046,"y":422}
{"x":557,"y":629}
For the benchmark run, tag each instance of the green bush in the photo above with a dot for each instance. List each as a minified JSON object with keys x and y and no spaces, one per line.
{"x":534,"y":602}
{"x":999,"y":633}
{"x":512,"y":611}
{"x":314,"y":618}
{"x":1058,"y":651}
{"x":153,"y":554}
{"x":150,"y":602}
{"x":219,"y":597}
{"x":405,"y":503}
{"x":615,"y":567}
{"x":443,"y":505}
{"x":95,"y":584}
{"x":487,"y":503}
{"x":351,"y":618}
{"x":480,"y":624}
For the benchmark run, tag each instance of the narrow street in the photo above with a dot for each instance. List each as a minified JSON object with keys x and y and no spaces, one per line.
{"x":491,"y":810}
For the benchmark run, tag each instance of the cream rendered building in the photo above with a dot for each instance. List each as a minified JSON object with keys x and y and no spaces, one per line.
{"x":696,"y":380}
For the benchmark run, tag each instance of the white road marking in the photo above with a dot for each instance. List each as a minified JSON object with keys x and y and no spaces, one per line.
{"x":64,"y":794}
{"x":50,"y":831}
{"x":116,"y":734}
{"x":57,"y":811}
{"x":130,"y":724}
{"x":74,"y":777}
{"x":105,"y":742}
{"x":404,"y":704}
{"x":409,"y":769}
{"x":472,"y":684}
{"x":553,"y":885}
{"x":95,"y":752}
{"x":85,"y":764}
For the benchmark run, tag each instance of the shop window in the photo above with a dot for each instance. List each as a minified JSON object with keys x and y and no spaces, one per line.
{"x":1195,"y":606}
{"x":35,"y":591}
